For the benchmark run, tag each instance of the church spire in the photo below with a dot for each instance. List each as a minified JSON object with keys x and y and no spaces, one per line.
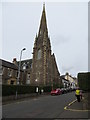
{"x":43,"y":6}
{"x":43,"y":22}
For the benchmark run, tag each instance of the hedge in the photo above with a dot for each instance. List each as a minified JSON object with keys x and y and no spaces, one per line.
{"x":84,"y":81}
{"x":47,"y":88}
{"x":21,"y":89}
{"x":8,"y":90}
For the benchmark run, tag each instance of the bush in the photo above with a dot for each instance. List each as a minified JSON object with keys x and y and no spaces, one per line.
{"x":46,"y":88}
{"x":8,"y":90}
{"x":21,"y":89}
{"x":84,"y":81}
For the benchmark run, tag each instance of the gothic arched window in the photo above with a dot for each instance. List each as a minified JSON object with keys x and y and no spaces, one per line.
{"x":39,"y":54}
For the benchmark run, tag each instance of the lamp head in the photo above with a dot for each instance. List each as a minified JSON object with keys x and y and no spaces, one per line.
{"x":24,"y":49}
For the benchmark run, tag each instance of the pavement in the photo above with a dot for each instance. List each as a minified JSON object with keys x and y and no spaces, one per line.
{"x":19,"y":99}
{"x":82,"y":107}
{"x":75,"y":105}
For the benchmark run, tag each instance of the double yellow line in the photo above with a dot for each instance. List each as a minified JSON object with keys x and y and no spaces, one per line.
{"x":66,"y":107}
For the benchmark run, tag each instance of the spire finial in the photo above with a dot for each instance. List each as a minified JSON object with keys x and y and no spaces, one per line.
{"x":44,"y":6}
{"x":43,"y":22}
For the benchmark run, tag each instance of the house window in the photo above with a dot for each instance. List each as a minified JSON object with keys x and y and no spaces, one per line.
{"x":28,"y":78}
{"x":31,"y":65}
{"x":12,"y":82}
{"x":28,"y":82}
{"x":28,"y":75}
{"x":1,"y":70}
{"x":39,"y":54}
{"x":9,"y":72}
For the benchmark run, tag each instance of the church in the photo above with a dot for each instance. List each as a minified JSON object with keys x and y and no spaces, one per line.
{"x":44,"y":67}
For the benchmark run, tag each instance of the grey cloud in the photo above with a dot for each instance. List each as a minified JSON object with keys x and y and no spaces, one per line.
{"x":61,"y":39}
{"x":67,"y":68}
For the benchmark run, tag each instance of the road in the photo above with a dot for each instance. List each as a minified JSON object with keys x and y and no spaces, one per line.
{"x":45,"y":106}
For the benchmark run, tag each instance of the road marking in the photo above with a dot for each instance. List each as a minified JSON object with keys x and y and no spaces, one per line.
{"x":72,"y":102}
{"x":74,"y":110}
{"x":35,"y":99}
{"x":66,"y":107}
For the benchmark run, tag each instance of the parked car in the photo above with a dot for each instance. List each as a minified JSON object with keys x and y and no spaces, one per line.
{"x":68,"y":90}
{"x":56,"y":91}
{"x":63,"y":90}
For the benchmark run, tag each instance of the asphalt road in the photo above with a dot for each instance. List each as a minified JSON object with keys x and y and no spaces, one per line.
{"x":46,"y":106}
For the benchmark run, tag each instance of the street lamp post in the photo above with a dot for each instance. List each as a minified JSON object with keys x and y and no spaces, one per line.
{"x":20,"y":66}
{"x":37,"y":89}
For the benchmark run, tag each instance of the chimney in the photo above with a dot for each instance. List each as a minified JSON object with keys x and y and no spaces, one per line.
{"x":15,"y":61}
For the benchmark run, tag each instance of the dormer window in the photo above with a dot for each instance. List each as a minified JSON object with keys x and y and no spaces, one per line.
{"x":24,"y":66}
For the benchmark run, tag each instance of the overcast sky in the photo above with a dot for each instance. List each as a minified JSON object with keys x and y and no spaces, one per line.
{"x":68,"y":30}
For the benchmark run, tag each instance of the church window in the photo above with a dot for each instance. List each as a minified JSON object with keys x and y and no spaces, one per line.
{"x":39,"y":54}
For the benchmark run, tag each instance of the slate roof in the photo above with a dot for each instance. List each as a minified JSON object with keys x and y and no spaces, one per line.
{"x":28,"y":63}
{"x":7,"y":64}
{"x":62,"y":76}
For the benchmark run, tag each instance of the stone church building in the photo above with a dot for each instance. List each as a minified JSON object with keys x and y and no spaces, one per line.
{"x":44,"y":67}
